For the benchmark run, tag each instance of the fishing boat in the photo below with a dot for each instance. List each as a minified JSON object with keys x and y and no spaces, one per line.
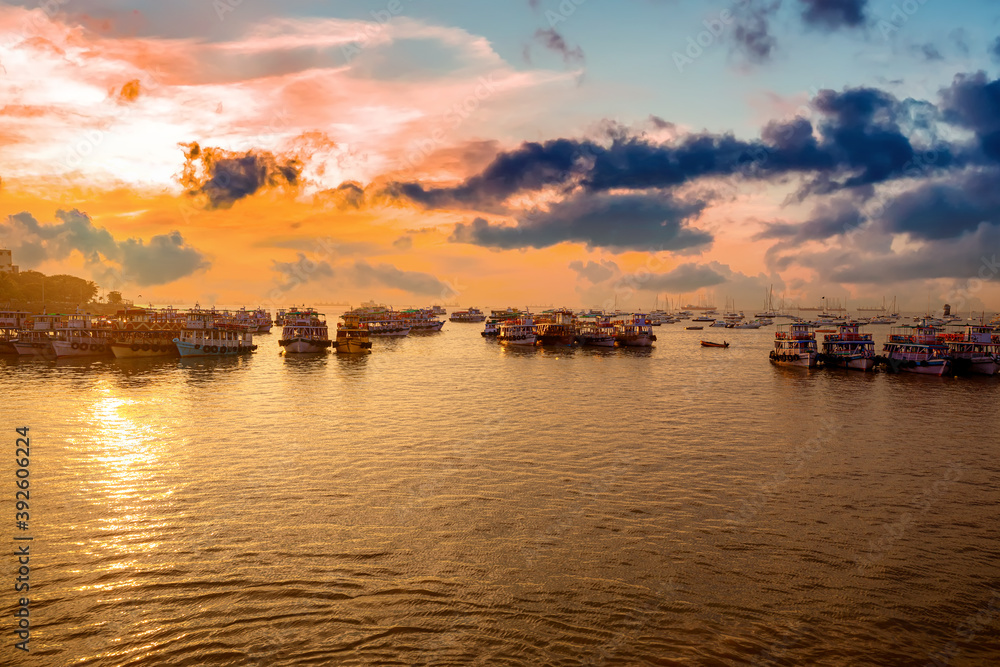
{"x":492,"y":326}
{"x":305,"y":331}
{"x":36,"y":338}
{"x":352,"y":337}
{"x":795,"y":346}
{"x":600,"y":333}
{"x":634,"y":331}
{"x":80,"y":336}
{"x":916,"y":349}
{"x":470,"y":315}
{"x":973,"y":351}
{"x":520,"y":331}
{"x":146,"y":332}
{"x":706,"y":343}
{"x":848,"y":348}
{"x":11,"y":323}
{"x":208,"y":333}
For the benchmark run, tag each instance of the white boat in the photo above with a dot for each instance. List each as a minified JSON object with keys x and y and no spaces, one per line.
{"x":305,"y":331}
{"x":80,"y":336}
{"x":470,"y":315}
{"x":208,"y":333}
{"x":848,"y":348}
{"x":36,"y":339}
{"x":597,"y":334}
{"x":715,"y":323}
{"x":974,"y":350}
{"x":11,"y":323}
{"x":917,"y":350}
{"x":518,"y":331}
{"x":795,"y":346}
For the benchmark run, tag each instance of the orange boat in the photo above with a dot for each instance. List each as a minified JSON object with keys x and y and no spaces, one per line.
{"x":706,"y":343}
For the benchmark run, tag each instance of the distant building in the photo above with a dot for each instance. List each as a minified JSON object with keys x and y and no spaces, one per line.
{"x":7,"y":262}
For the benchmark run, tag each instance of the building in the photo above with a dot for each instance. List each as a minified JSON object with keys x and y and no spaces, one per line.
{"x":7,"y":262}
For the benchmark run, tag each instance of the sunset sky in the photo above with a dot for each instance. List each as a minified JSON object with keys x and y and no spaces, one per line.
{"x":493,"y":154}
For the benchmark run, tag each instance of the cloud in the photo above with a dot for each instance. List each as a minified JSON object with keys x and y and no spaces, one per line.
{"x":929,"y":52}
{"x":752,"y":30}
{"x":301,"y":271}
{"x":225,"y":177}
{"x":165,"y":258}
{"x":403,"y":243}
{"x":552,"y":40}
{"x":973,"y":102}
{"x":995,"y":49}
{"x":594,"y":272}
{"x":346,"y":196}
{"x":834,"y":14}
{"x":618,"y":222}
{"x":130,"y":91}
{"x":684,"y":278}
{"x":387,"y":275}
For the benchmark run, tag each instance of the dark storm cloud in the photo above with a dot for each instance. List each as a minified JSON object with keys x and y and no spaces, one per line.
{"x":973,"y":102}
{"x":164,"y":259}
{"x":828,"y":219}
{"x":618,"y":222}
{"x":834,"y":14}
{"x":225,"y":177}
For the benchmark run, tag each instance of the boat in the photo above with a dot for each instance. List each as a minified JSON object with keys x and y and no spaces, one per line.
{"x":706,"y":343}
{"x":305,"y":331}
{"x":634,"y":331}
{"x":848,"y":348}
{"x":520,"y":331}
{"x":80,"y":336}
{"x":916,"y":349}
{"x":352,"y":337}
{"x":263,"y":320}
{"x":437,"y":310}
{"x":492,"y":327}
{"x":146,"y":332}
{"x":973,"y":351}
{"x":795,"y":346}
{"x":826,"y":331}
{"x":470,"y":315}
{"x":600,"y":333}
{"x":694,"y":328}
{"x":11,"y":323}
{"x":559,"y":330}
{"x":36,"y":338}
{"x":208,"y":333}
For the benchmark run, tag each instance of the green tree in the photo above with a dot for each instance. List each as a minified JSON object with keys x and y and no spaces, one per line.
{"x":115,"y":298}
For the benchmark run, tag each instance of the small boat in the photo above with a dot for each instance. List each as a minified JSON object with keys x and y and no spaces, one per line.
{"x":694,"y":328}
{"x":305,"y":331}
{"x":706,"y":343}
{"x":352,"y":336}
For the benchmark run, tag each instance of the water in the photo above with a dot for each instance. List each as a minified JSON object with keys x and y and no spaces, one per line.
{"x":446,"y":501}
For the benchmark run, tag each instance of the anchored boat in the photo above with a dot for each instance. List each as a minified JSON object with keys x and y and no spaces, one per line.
{"x":305,"y":331}
{"x":795,"y":346}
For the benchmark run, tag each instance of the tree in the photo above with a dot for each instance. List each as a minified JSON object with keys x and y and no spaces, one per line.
{"x":115,"y":298}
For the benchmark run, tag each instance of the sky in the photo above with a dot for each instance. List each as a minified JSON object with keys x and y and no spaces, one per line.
{"x":576,"y":152}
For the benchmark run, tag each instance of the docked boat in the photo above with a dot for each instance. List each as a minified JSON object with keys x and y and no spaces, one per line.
{"x":916,"y":349}
{"x":305,"y":331}
{"x":437,"y":310}
{"x":518,"y":331}
{"x":600,"y":333}
{"x":352,"y":337}
{"x":11,"y":323}
{"x":36,"y":338}
{"x":634,"y":331}
{"x":694,"y":328}
{"x":421,"y":320}
{"x":795,"y":346}
{"x":849,"y":348}
{"x":80,"y":336}
{"x":146,"y":332}
{"x":973,"y":351}
{"x":263,"y":319}
{"x":707,"y":343}
{"x":470,"y":315}
{"x":559,"y":330}
{"x":206,"y":333}
{"x":492,"y":326}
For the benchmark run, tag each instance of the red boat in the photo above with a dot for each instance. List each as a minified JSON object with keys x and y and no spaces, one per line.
{"x":706,"y":343}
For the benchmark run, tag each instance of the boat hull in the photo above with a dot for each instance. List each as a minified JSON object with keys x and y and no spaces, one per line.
{"x":635,"y":341}
{"x":126,"y":351}
{"x":65,"y":348}
{"x":564,"y":340}
{"x":926,"y":367}
{"x":353,"y":347}
{"x":802,"y":359}
{"x":853,"y":363}
{"x":7,"y":347}
{"x":524,"y":341}
{"x":300,"y":346}
{"x":34,"y":349}
{"x":598,"y":341}
{"x":193,"y":350}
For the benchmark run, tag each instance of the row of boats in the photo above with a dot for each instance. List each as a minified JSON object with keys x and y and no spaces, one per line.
{"x":565,"y":328}
{"x":920,"y":348}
